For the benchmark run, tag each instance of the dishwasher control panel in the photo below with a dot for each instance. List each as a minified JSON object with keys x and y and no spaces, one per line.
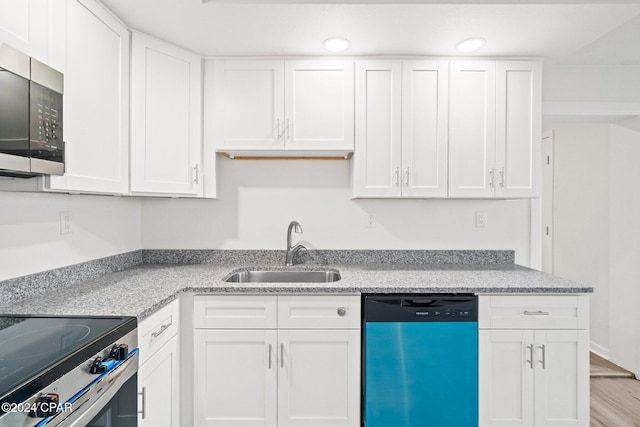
{"x":421,"y":308}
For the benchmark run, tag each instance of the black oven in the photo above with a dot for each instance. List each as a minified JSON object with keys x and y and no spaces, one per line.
{"x":31,"y":125}
{"x":68,"y":371}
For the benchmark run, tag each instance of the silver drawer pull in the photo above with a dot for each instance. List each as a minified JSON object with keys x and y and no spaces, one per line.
{"x":530,"y":361}
{"x":143,"y":412}
{"x":342,"y":311}
{"x":536,"y":313}
{"x":269,"y":356}
{"x":544,"y":355}
{"x":161,"y":331}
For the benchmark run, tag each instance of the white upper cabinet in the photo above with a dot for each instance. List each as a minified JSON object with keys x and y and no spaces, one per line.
{"x":249,"y":105}
{"x":92,"y":50}
{"x":518,"y":128}
{"x":319,"y":105}
{"x":494,"y":132}
{"x":401,"y":129}
{"x":24,"y":25}
{"x":472,"y":141}
{"x":166,"y":118}
{"x":425,"y":100}
{"x":378,"y":152}
{"x":267,"y":106}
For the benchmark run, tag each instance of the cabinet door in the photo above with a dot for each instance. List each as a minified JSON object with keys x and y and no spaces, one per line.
{"x":159,"y":387}
{"x":319,"y":105}
{"x":92,"y":50}
{"x":506,"y":378}
{"x":166,"y":108}
{"x":561,"y":378}
{"x":24,"y":25}
{"x":518,"y":128}
{"x":235,"y":378}
{"x":377,"y":158}
{"x":249,"y":105}
{"x":319,"y":378}
{"x":424,"y":128}
{"x":472,"y":129}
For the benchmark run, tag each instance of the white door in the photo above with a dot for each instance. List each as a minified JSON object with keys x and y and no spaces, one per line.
{"x":425,"y":128}
{"x":159,"y":388}
{"x":166,"y":108}
{"x":319,"y":105}
{"x":506,"y":378}
{"x":472,"y":99}
{"x":319,"y":378}
{"x":377,"y":160}
{"x":518,"y":128}
{"x":92,"y":50}
{"x":249,"y":105}
{"x":24,"y":25}
{"x":561,"y":378}
{"x":235,"y":378}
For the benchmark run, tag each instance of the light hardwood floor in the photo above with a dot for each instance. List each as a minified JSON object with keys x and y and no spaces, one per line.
{"x":615,"y":395}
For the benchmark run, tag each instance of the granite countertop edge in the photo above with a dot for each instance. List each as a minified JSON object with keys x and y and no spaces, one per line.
{"x":143,"y":289}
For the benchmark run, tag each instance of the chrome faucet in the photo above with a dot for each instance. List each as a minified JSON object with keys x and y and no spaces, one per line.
{"x":292,"y":251}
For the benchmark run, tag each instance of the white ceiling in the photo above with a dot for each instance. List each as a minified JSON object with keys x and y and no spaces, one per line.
{"x":253,"y":28}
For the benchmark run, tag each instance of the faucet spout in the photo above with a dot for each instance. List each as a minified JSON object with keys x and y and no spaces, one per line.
{"x":292,"y":251}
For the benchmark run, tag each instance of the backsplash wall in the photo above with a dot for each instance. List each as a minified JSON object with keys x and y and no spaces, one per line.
{"x":258,"y":199}
{"x":30,"y":230}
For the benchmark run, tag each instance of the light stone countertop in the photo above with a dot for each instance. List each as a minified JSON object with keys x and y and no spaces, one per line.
{"x":143,"y":289}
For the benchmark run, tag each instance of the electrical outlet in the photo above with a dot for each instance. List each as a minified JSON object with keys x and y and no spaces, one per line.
{"x":371,"y":220}
{"x":481,"y":219}
{"x":66,"y":222}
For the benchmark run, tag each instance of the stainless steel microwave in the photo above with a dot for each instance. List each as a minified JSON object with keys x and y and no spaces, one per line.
{"x":31,"y":123}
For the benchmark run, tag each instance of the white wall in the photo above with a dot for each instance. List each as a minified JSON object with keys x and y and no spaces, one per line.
{"x":30,"y":230}
{"x":581,"y":216}
{"x":258,"y":199}
{"x":625,"y":248}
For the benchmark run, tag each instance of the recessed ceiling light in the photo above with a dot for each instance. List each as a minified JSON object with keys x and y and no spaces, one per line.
{"x":469,"y":45}
{"x":336,"y":44}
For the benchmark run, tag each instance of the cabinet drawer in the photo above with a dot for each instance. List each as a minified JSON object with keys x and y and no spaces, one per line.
{"x":533,"y":312}
{"x":157,"y":329}
{"x":235,"y":312}
{"x":319,"y":312}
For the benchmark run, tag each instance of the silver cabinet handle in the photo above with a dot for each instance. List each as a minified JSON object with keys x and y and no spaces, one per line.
{"x":501,"y":182}
{"x":161,"y":331}
{"x":196,"y":174}
{"x":530,"y":361}
{"x":406,"y":179}
{"x":544,"y":356}
{"x":143,"y":411}
{"x":536,"y":313}
{"x":491,"y":171}
{"x":342,"y":311}
{"x":282,"y":355}
{"x":398,"y":176}
{"x":269,"y":356}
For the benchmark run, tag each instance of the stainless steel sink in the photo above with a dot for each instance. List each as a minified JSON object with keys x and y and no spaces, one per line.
{"x":264,"y":276}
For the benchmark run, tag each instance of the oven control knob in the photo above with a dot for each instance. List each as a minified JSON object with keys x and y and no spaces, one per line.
{"x":98,"y":366}
{"x":119,"y":352}
{"x":45,"y":406}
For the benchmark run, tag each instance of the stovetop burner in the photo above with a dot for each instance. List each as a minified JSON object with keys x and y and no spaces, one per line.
{"x":33,"y":347}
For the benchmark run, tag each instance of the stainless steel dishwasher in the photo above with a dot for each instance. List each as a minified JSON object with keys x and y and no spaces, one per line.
{"x":420,"y":360}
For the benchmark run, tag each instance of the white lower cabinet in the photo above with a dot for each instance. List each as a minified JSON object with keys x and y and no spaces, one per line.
{"x":277,"y":377}
{"x":158,"y":383}
{"x":159,"y":372}
{"x":533,"y":377}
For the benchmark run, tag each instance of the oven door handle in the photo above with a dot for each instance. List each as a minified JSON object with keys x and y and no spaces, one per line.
{"x":84,"y":410}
